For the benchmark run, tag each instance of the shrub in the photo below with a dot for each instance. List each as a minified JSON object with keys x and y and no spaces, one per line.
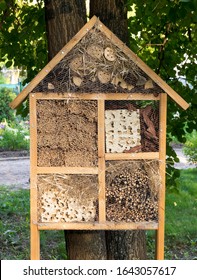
{"x":190,"y":148}
{"x":6,"y":96}
{"x":12,"y":140}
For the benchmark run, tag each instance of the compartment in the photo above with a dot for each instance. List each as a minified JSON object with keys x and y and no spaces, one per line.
{"x":132,"y":126}
{"x":67,"y":133}
{"x":67,"y":198}
{"x":132,"y":191}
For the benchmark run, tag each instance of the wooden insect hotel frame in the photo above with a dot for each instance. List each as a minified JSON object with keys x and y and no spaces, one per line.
{"x":98,"y":139}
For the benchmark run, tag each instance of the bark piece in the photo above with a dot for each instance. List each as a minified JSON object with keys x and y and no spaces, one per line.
{"x":149,"y":84}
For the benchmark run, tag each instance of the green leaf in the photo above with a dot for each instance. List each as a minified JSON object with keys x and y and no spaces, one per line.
{"x":3,"y":5}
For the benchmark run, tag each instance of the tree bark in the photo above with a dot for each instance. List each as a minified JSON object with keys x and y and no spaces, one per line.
{"x":86,"y":245}
{"x":121,"y":245}
{"x":113,"y":13}
{"x":126,"y":245}
{"x":64,"y":19}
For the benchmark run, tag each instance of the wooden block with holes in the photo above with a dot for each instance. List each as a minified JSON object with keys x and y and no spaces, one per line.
{"x":98,"y":136}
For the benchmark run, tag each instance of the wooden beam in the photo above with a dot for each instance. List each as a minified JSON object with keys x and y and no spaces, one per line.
{"x":97,"y":96}
{"x":98,"y":226}
{"x":173,"y":94}
{"x":131,"y":156}
{"x":34,"y":232}
{"x":101,"y":160}
{"x":67,"y":170}
{"x":60,"y":55}
{"x":162,"y":169}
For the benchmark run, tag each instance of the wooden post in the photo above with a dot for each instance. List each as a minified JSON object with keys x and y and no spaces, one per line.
{"x":34,"y":232}
{"x":162,"y":168}
{"x":101,"y":160}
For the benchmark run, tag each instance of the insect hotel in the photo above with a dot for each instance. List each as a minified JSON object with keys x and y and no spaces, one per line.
{"x":98,"y":139}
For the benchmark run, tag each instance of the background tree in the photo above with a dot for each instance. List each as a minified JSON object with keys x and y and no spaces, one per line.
{"x":162,"y":33}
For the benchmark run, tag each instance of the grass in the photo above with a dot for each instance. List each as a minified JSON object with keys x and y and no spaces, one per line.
{"x":181,"y":225}
{"x":14,"y":229}
{"x":181,"y":217}
{"x":181,"y":220}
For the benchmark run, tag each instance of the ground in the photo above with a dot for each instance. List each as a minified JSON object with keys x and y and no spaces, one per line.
{"x":14,"y":169}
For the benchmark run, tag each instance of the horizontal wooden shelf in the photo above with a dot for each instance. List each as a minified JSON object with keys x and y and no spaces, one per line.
{"x":131,"y":156}
{"x":99,"y":226}
{"x":96,"y":96}
{"x":67,"y":170}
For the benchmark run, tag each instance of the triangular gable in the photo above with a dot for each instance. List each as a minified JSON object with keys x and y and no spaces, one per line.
{"x":95,"y":60}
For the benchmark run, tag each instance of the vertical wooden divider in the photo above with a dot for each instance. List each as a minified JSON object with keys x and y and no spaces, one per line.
{"x":34,"y":232}
{"x":162,"y":168}
{"x":101,"y":160}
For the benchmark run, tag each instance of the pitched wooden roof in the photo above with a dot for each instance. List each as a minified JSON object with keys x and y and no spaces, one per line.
{"x":70,"y":45}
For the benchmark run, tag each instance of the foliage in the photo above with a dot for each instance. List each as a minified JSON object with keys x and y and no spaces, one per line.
{"x":2,"y":79}
{"x":12,"y":141}
{"x":14,"y":137}
{"x":190,"y":148}
{"x":6,"y":96}
{"x":22,"y":35}
{"x":164,"y":34}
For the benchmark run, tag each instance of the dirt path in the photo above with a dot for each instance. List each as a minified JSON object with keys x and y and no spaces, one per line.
{"x":14,"y":171}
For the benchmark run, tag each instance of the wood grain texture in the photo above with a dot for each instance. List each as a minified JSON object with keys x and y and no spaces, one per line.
{"x":162,"y":168}
{"x":34,"y":234}
{"x":99,"y":226}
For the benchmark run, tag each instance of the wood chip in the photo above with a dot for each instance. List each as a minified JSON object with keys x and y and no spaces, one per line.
{"x":149,"y":84}
{"x":104,"y":76}
{"x":141,"y":81}
{"x":123,"y":84}
{"x":109,"y":54}
{"x":130,"y":87}
{"x":50,"y":86}
{"x":116,"y":80}
{"x":77,"y":81}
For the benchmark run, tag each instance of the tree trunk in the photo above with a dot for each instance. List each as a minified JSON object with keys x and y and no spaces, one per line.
{"x":121,"y":245}
{"x":64,"y":18}
{"x":113,"y":13}
{"x":126,"y":245}
{"x":86,"y":245}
